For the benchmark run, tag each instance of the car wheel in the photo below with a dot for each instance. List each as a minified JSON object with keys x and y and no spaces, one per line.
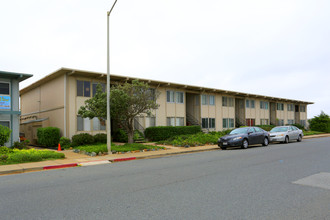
{"x":286,"y":140}
{"x":223,"y":148}
{"x":245,"y":144}
{"x":266,"y":142}
{"x":299,"y":138}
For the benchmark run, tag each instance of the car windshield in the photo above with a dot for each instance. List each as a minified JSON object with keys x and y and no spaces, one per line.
{"x":279,"y":129}
{"x":239,"y":131}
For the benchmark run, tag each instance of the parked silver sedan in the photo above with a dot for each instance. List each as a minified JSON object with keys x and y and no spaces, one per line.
{"x":285,"y":134}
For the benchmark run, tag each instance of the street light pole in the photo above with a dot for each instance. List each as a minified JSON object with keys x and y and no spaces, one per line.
{"x":108,"y":81}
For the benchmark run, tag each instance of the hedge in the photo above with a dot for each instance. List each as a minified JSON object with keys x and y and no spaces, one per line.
{"x":82,"y":139}
{"x":164,"y":132}
{"x":48,"y":136}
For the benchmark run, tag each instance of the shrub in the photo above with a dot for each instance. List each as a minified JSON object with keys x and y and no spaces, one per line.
{"x":266,"y":127}
{"x":3,"y":157}
{"x":4,"y":134}
{"x":48,"y":136}
{"x":65,"y":142}
{"x":164,"y":132}
{"x":32,"y":155}
{"x":5,"y":150}
{"x":21,"y":145}
{"x":320,"y":123}
{"x":120,"y":136}
{"x":82,"y":139}
{"x":100,"y":138}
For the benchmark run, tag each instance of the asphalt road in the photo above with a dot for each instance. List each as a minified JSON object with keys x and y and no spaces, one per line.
{"x":256,"y":183}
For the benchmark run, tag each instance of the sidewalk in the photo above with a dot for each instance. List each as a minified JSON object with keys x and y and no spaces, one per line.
{"x":74,"y":159}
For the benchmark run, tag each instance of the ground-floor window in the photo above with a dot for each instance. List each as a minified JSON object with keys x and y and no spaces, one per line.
{"x":97,"y":125}
{"x":280,"y":122}
{"x":150,"y":122}
{"x":175,"y":121}
{"x":290,"y":121}
{"x":83,"y":124}
{"x":303,"y":123}
{"x":250,"y":122}
{"x":208,"y":123}
{"x":264,"y":122}
{"x":227,"y":122}
{"x":5,"y":123}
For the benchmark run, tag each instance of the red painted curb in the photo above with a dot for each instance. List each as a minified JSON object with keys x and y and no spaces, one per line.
{"x":60,"y":166}
{"x":123,"y":159}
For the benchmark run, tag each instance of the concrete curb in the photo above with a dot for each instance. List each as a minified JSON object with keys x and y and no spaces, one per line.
{"x":92,"y":163}
{"x":123,"y":159}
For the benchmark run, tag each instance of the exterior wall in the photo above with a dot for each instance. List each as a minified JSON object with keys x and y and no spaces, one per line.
{"x":257,"y":113}
{"x":43,"y":102}
{"x":8,"y":115}
{"x":225,"y":111}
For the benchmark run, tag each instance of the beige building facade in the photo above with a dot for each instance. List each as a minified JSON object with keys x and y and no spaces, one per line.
{"x":55,"y":100}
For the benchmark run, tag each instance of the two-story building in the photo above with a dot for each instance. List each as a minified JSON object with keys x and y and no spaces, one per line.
{"x":55,"y":100}
{"x":9,"y":102}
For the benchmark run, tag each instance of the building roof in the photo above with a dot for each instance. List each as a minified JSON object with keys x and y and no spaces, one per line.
{"x":12,"y":75}
{"x":117,"y":78}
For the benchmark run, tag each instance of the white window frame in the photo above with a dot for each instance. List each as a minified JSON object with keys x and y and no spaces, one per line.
{"x":204,"y":99}
{"x":211,"y":97}
{"x":177,"y":97}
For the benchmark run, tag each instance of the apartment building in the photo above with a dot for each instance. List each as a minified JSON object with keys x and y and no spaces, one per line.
{"x":55,"y":100}
{"x":9,"y":99}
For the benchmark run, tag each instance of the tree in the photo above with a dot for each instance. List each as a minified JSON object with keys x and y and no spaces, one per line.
{"x":320,"y":123}
{"x":127,"y":101}
{"x":4,"y":134}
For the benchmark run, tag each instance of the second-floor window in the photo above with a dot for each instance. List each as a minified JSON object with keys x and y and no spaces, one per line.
{"x":172,"y":96}
{"x":94,"y":86}
{"x":83,"y":88}
{"x":280,"y":106}
{"x":263,"y":105}
{"x":249,"y":103}
{"x":4,"y":88}
{"x":290,"y":107}
{"x":227,"y":101}
{"x":208,"y":99}
{"x":302,"y":108}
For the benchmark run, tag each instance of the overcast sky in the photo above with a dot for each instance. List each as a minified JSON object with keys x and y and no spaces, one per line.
{"x":270,"y":47}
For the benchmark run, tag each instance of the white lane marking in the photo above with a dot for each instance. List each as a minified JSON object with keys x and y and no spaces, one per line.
{"x":321,"y":180}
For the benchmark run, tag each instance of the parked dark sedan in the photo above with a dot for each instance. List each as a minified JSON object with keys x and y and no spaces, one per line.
{"x":244,"y":137}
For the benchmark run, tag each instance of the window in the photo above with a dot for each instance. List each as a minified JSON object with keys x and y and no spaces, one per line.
{"x":179,"y":97}
{"x":250,"y":121}
{"x":170,"y":121}
{"x":179,"y":121}
{"x":208,"y":99}
{"x":258,"y":129}
{"x":211,"y":122}
{"x":290,"y":121}
{"x":227,"y":101}
{"x":97,"y":125}
{"x":249,"y":103}
{"x":5,"y":123}
{"x":83,"y":88}
{"x":212,"y":100}
{"x":290,"y":107}
{"x":224,"y":101}
{"x":208,"y":123}
{"x":227,"y":122}
{"x":151,"y":121}
{"x":263,"y":105}
{"x":83,"y":124}
{"x":205,"y":123}
{"x":280,"y":106}
{"x":170,"y":96}
{"x":303,"y":123}
{"x":302,"y":108}
{"x":4,"y":88}
{"x":152,"y":93}
{"x":173,"y":121}
{"x":280,"y":122}
{"x":94,"y":86}
{"x":231,"y":122}
{"x":264,"y":121}
{"x":204,"y":99}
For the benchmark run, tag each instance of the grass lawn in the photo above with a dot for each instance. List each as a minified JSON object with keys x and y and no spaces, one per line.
{"x":119,"y":148}
{"x":25,"y":156}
